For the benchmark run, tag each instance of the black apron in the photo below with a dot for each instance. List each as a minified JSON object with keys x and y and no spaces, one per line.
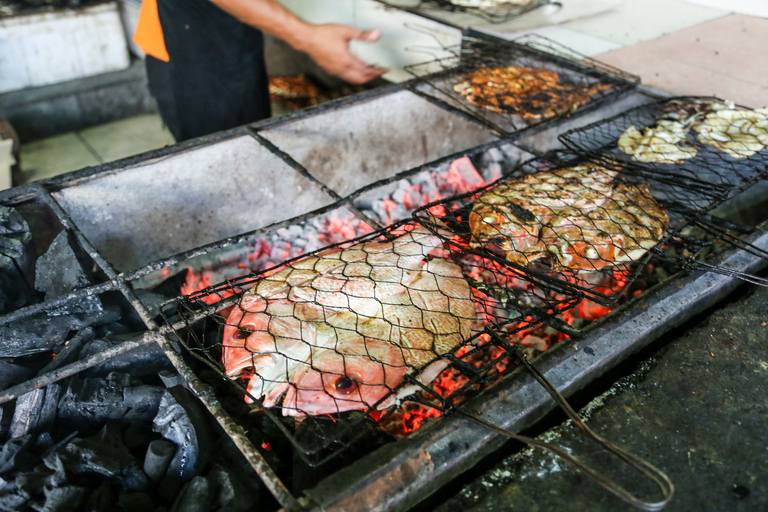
{"x":216,"y":78}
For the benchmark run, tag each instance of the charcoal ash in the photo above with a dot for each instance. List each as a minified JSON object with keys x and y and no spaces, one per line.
{"x":61,"y":270}
{"x":16,"y":261}
{"x":93,"y":401}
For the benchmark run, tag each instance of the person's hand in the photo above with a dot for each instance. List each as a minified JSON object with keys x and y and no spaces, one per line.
{"x":328,"y":45}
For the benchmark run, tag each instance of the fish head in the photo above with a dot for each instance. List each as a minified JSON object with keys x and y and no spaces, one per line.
{"x":346,"y":379}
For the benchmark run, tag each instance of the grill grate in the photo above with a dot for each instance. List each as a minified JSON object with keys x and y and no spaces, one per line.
{"x":352,"y":330}
{"x":493,"y":12}
{"x":677,"y":154}
{"x":510,"y":86}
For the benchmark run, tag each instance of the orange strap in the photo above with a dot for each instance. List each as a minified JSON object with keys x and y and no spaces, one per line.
{"x":149,"y":33}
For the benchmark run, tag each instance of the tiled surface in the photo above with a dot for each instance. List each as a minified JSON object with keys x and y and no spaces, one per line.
{"x":55,"y":155}
{"x":635,"y":21}
{"x":725,"y":57}
{"x":582,"y":43}
{"x":750,"y":7}
{"x":72,"y":151}
{"x":120,"y":139}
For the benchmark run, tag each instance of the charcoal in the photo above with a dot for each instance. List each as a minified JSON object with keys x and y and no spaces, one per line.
{"x":33,"y":335}
{"x":55,"y":463}
{"x":97,"y":400}
{"x":35,"y":411}
{"x":42,"y":476}
{"x":194,"y":497}
{"x":13,"y":500}
{"x":152,"y":301}
{"x":158,"y":458}
{"x":62,"y":499}
{"x":170,"y":378}
{"x":70,"y":351}
{"x":146,"y":360}
{"x":230,"y":493}
{"x":182,"y":420}
{"x":135,"y":502}
{"x":138,"y":435}
{"x":11,"y":451}
{"x":44,"y":442}
{"x":16,"y":261}
{"x":60,"y":270}
{"x":102,"y":499}
{"x":11,"y":373}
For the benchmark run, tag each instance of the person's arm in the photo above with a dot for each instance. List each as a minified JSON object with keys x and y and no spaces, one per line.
{"x":328,"y":45}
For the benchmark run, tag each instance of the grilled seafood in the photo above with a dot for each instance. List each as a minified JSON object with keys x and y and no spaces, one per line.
{"x":740,"y":133}
{"x":663,"y":143}
{"x":574,"y":215}
{"x":338,"y":331}
{"x":530,"y":93}
{"x":512,"y":214}
{"x":622,"y":229}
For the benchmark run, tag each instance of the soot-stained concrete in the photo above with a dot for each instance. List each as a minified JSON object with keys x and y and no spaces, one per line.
{"x":697,"y":409}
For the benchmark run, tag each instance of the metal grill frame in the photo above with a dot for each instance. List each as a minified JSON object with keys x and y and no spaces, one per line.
{"x":424,"y":6}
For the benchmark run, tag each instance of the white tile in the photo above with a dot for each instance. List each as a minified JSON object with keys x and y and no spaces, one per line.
{"x":635,"y":21}
{"x":578,"y":41}
{"x":127,"y":137}
{"x":55,"y":155}
{"x":751,"y":7}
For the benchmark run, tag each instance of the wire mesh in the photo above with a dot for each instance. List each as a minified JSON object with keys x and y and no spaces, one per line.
{"x":704,"y":144}
{"x":356,"y":332}
{"x":569,"y":221}
{"x":512,"y":85}
{"x":493,"y":11}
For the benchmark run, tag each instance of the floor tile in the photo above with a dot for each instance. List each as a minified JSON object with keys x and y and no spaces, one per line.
{"x":751,"y":7}
{"x":127,"y":137}
{"x":735,"y":45}
{"x":55,"y":155}
{"x":580,"y":42}
{"x":685,"y":79}
{"x":635,"y":21}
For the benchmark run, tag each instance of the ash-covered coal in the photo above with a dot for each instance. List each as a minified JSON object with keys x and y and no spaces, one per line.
{"x":146,"y":360}
{"x":139,"y":462}
{"x":93,"y":401}
{"x":16,"y":261}
{"x":61,"y":270}
{"x":35,"y":411}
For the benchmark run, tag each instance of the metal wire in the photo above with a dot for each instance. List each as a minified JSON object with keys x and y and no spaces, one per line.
{"x":510,"y":86}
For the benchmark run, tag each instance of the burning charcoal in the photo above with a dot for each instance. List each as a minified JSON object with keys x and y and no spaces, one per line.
{"x":35,"y":411}
{"x":194,"y":497}
{"x":159,"y":455}
{"x":97,"y":400}
{"x":146,"y":360}
{"x":11,"y":374}
{"x":182,"y":420}
{"x":135,"y":502}
{"x":16,"y":260}
{"x":60,"y":270}
{"x":230,"y":493}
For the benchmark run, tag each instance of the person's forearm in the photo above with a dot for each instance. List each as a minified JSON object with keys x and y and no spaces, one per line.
{"x":269,"y":16}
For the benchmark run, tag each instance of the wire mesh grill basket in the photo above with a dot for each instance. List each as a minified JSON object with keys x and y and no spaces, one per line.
{"x":356,"y":330}
{"x":702,"y":143}
{"x":512,"y":85}
{"x":575,"y":222}
{"x":493,"y":11}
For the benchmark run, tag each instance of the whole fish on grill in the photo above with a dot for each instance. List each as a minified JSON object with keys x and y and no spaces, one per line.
{"x":577,"y":216}
{"x":339,"y":331}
